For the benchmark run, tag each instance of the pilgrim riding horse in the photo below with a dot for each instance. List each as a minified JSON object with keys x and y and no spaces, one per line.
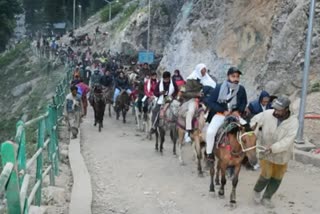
{"x":108,"y":94}
{"x":167,"y":121}
{"x":122,"y":105}
{"x":98,"y":102}
{"x":233,"y":143}
{"x":198,"y":123}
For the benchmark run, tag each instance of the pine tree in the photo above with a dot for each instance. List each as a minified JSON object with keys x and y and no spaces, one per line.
{"x":8,"y":10}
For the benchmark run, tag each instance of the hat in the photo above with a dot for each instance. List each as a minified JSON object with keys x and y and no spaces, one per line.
{"x":281,"y":103}
{"x":233,"y":70}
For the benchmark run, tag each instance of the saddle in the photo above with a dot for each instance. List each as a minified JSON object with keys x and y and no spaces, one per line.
{"x":230,"y":123}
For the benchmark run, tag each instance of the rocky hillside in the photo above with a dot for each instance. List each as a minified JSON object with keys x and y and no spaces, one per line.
{"x":265,"y":39}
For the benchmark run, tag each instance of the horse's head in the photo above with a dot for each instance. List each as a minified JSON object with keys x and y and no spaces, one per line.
{"x":247,"y":140}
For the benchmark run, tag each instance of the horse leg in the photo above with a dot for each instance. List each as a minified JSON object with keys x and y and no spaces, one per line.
{"x":118,"y":114}
{"x":162,"y":138}
{"x":95,"y":117}
{"x":173,"y":136}
{"x":223,"y":169}
{"x":197,"y":149}
{"x":109,"y":108}
{"x":157,"y":139}
{"x":100,"y":125}
{"x":234,"y":184}
{"x":218,"y":174}
{"x":180,"y":142}
{"x":124,"y":115}
{"x":211,"y":178}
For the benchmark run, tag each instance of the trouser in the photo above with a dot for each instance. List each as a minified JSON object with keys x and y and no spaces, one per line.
{"x":155,"y":116}
{"x":212,"y":130}
{"x":192,"y":106}
{"x":117,"y":93}
{"x":85,"y":105}
{"x":73,"y":119}
{"x":270,"y":178}
{"x":142,"y":105}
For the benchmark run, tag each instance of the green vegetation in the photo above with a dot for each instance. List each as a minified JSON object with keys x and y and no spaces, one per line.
{"x":16,"y":53}
{"x":164,"y":10}
{"x":315,"y":87}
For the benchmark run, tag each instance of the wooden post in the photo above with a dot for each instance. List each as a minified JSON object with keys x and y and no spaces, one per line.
{"x":9,"y":155}
{"x":41,"y":139}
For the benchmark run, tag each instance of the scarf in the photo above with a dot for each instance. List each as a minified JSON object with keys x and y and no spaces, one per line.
{"x":226,"y":97}
{"x":205,"y":80}
{"x":161,"y":88}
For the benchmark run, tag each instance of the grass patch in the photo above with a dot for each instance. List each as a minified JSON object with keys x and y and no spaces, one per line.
{"x":17,"y":52}
{"x":116,"y":8}
{"x":126,"y":15}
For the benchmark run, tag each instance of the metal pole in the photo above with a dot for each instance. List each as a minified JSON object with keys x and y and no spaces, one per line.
{"x":149,"y":21}
{"x":299,"y":139}
{"x":80,"y":7}
{"x":109,"y":11}
{"x":74,"y":15}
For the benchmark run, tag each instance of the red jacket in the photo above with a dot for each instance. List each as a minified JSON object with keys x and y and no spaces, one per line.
{"x":153,"y":85}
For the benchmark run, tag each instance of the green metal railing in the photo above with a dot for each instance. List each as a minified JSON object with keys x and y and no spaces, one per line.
{"x":15,"y":181}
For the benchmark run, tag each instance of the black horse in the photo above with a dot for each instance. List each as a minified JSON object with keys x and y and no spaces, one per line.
{"x":98,"y":102}
{"x":122,"y":105}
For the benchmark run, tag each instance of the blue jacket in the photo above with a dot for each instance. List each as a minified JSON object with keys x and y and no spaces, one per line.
{"x":255,"y":106}
{"x":216,"y":107}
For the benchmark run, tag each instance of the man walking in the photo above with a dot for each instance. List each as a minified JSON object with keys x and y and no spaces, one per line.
{"x":279,"y":127}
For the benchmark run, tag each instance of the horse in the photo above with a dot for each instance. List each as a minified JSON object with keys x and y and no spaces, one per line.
{"x":233,"y":143}
{"x":97,"y":101}
{"x":108,"y":94}
{"x":122,"y":105}
{"x":167,"y":121}
{"x":196,"y":136}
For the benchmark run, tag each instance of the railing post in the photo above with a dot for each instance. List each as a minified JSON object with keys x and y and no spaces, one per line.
{"x":41,"y":138}
{"x":49,"y":127}
{"x":20,"y":139}
{"x":55,"y":145}
{"x":9,"y":155}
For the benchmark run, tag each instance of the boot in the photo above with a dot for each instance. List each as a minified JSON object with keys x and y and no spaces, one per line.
{"x":261,"y":184}
{"x":272,"y":187}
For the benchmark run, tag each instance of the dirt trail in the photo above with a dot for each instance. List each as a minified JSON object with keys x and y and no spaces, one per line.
{"x":128,"y":176}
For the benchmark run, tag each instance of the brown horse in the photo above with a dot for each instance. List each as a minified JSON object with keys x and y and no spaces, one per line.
{"x":236,"y":143}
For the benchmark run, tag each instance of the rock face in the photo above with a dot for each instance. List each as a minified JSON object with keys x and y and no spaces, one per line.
{"x":265,"y":39}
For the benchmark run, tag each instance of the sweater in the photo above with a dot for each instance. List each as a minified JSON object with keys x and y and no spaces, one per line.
{"x":280,"y":138}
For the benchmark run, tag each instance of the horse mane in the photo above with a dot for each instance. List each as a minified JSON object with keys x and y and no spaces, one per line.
{"x":247,"y":128}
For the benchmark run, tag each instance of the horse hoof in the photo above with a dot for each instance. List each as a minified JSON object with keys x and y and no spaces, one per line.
{"x":200,"y":174}
{"x":174,"y":153}
{"x":233,"y":202}
{"x":95,"y":124}
{"x":217,"y":183}
{"x":221,"y":194}
{"x":156,"y":149}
